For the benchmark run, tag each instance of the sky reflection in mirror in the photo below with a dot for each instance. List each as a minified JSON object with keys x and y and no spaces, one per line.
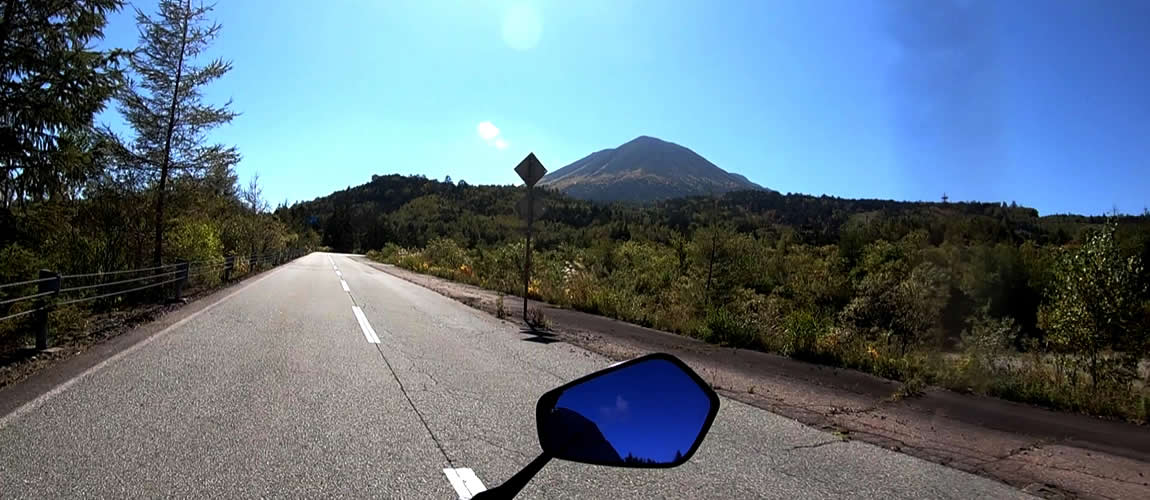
{"x":650,"y":411}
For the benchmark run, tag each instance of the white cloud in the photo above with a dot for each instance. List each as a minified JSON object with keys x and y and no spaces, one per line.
{"x":491,"y":135}
{"x":488,"y":131}
{"x":620,"y":412}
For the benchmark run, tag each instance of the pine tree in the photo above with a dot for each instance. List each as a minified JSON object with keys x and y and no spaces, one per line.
{"x":165,"y":107}
{"x":51,"y":85}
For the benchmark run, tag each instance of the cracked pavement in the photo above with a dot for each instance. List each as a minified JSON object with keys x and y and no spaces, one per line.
{"x":274,"y":392}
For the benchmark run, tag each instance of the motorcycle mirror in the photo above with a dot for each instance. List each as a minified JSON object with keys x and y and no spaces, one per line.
{"x":652,"y":411}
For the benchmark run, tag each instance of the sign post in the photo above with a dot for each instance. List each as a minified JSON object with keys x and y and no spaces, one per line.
{"x":530,"y":170}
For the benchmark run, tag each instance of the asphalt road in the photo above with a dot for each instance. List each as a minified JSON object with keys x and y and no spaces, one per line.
{"x":276,"y":391}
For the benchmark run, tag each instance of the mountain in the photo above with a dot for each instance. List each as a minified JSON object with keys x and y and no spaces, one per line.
{"x":644,"y":169}
{"x":571,"y":436}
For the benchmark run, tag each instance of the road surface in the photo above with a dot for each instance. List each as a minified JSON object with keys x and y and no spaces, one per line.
{"x":279,"y":390}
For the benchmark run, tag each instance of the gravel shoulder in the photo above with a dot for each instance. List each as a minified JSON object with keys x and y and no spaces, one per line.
{"x":1046,"y":453}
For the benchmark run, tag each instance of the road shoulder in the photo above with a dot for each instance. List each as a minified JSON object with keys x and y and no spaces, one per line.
{"x":44,"y":375}
{"x":1050,"y":454}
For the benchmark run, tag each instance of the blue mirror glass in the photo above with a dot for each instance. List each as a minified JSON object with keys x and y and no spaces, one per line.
{"x":649,"y":412}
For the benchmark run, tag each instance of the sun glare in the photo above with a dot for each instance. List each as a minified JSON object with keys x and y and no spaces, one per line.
{"x":522,"y":27}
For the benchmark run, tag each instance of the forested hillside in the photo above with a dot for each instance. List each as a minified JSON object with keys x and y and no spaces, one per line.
{"x":947,"y":293}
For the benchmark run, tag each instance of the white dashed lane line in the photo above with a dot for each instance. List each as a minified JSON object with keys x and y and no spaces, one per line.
{"x":364,"y":325}
{"x":368,"y":331}
{"x":465,"y":482}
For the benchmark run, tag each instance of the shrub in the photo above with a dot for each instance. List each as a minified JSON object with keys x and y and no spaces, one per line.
{"x":536,"y":319}
{"x":986,"y":355}
{"x":800,"y":332}
{"x":500,"y":308}
{"x":445,"y":253}
{"x":721,"y":327}
{"x":18,"y":264}
{"x":193,"y":240}
{"x":501,"y":268}
{"x":1093,"y":312}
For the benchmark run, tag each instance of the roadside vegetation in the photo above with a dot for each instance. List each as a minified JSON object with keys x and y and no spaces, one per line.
{"x":988,"y":298}
{"x":78,"y":196}
{"x":985,"y":298}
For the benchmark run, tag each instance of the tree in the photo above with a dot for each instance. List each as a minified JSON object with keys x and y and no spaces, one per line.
{"x":165,"y":108}
{"x":51,"y":85}
{"x":253,"y":195}
{"x":1093,"y":307}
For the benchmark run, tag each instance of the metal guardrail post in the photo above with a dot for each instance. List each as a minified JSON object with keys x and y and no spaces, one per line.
{"x":183,"y":275}
{"x":45,"y":306}
{"x":229,"y":263}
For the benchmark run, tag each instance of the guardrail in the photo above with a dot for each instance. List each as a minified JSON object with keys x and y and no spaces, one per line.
{"x":51,"y":290}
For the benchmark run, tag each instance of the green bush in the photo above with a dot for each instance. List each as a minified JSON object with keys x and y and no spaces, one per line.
{"x":445,"y":253}
{"x":801,"y":332}
{"x":17,"y":264}
{"x":1094,"y":314}
{"x":193,"y":240}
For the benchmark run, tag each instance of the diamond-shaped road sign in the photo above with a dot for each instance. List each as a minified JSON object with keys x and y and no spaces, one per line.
{"x":536,"y":208}
{"x":530,"y":170}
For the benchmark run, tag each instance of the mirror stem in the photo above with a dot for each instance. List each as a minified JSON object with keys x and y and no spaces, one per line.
{"x":511,"y":487}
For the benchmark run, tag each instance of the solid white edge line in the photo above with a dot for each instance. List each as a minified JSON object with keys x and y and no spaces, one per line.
{"x":465,"y":482}
{"x":344,"y":285}
{"x":368,"y":332}
{"x":43,"y":398}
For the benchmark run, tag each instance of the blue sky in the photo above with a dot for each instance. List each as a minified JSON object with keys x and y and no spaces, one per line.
{"x":1037,"y":101}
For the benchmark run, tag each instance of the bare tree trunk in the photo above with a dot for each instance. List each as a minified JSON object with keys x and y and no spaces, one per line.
{"x":158,"y":256}
{"x":5,"y":188}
